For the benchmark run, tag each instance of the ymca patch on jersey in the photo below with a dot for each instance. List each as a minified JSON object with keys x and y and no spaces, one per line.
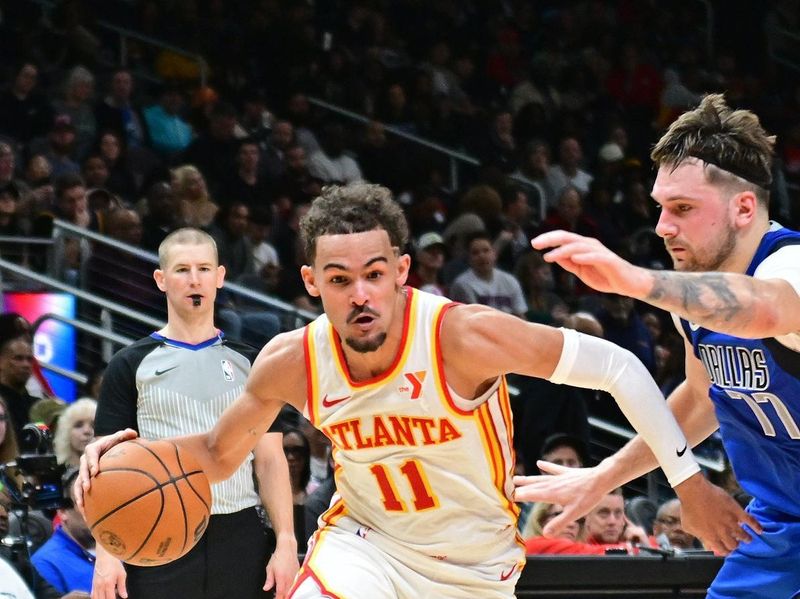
{"x":227,"y":370}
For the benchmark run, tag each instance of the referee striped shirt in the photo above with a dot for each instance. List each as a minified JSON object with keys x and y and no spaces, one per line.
{"x":165,"y":388}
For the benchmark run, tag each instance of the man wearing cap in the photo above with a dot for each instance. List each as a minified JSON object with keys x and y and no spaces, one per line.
{"x":58,"y":148}
{"x":428,"y":263}
{"x":485,"y":284}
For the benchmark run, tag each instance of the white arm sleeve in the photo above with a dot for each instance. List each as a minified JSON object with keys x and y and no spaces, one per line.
{"x":594,"y":363}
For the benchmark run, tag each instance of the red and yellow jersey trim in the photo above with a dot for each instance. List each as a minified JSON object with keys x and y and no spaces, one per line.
{"x":492,"y":439}
{"x":436,"y":351}
{"x":312,"y":377}
{"x":409,"y":326}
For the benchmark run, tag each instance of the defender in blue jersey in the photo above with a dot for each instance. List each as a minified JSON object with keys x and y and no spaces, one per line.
{"x":735,"y":295}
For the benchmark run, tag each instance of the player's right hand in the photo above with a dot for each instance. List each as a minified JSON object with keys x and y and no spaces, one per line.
{"x":713,"y":516}
{"x":90,"y":460}
{"x":108,"y":579}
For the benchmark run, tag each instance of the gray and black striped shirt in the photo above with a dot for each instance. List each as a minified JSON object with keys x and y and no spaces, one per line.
{"x":166,"y":388}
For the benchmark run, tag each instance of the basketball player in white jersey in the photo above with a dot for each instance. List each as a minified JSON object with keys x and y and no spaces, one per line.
{"x":410,"y":389}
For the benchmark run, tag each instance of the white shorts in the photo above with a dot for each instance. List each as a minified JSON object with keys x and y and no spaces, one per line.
{"x":343,"y":565}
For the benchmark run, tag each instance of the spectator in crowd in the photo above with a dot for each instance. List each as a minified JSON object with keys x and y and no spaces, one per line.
{"x":169,"y":133}
{"x":667,"y":527}
{"x":24,"y":111}
{"x":213,"y":151}
{"x":499,"y":148}
{"x":296,"y":185}
{"x":568,"y":171}
{"x":536,"y":172}
{"x":607,"y":523}
{"x":570,"y":541}
{"x":331,"y":163}
{"x":16,"y":359}
{"x":535,"y":277}
{"x":516,"y":227}
{"x":255,"y":120}
{"x":247,"y":184}
{"x":66,"y":560}
{"x":233,"y":246}
{"x":274,"y":157}
{"x":196,"y":209}
{"x":382,"y":160}
{"x":428,"y":262}
{"x":298,"y":454}
{"x":76,"y":103}
{"x":299,"y":114}
{"x":162,"y":215}
{"x":95,"y":172}
{"x":75,"y":431}
{"x":259,"y":232}
{"x":565,"y":450}
{"x":117,"y":113}
{"x":42,"y":191}
{"x":9,"y":450}
{"x":8,"y":173}
{"x":121,"y":179}
{"x":485,"y":284}
{"x":123,"y":277}
{"x":12,"y":326}
{"x":319,"y":500}
{"x":59,"y":147}
{"x":11,"y":222}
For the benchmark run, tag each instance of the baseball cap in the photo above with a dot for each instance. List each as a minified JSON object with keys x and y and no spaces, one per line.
{"x":429,"y":239}
{"x":564,"y":439}
{"x":610,"y":152}
{"x":63,"y":121}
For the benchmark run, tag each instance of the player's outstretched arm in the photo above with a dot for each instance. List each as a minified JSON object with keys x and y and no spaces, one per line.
{"x":730,"y":303}
{"x":565,"y":356}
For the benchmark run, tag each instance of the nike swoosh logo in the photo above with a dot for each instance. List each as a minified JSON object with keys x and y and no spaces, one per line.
{"x":329,"y":403}
{"x":507,"y":575}
{"x":160,"y":372}
{"x":680,"y":452}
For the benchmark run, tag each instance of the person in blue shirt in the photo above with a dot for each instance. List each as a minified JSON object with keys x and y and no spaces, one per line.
{"x":66,"y":559}
{"x":735,"y":298}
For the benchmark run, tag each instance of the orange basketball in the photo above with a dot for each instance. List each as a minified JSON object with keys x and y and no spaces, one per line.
{"x":150,"y":502}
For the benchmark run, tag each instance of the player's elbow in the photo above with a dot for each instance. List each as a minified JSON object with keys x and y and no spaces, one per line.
{"x":221,"y":463}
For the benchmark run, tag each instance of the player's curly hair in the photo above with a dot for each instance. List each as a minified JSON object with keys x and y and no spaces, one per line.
{"x":730,"y":142}
{"x":353,"y":208}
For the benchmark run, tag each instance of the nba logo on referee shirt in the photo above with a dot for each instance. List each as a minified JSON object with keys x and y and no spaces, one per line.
{"x":227,"y":370}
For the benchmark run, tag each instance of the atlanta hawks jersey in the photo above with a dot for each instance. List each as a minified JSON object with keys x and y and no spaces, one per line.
{"x":415,"y":463}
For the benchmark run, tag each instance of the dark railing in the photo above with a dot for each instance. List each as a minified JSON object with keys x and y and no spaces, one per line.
{"x":641,"y":577}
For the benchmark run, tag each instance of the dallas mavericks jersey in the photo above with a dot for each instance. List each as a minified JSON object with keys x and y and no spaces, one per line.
{"x":755,"y":387}
{"x":415,"y":463}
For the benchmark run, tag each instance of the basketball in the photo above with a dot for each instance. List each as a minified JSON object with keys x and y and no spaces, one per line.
{"x":150,"y":502}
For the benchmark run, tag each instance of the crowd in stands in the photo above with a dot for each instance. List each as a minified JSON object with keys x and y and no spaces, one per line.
{"x":559,"y":103}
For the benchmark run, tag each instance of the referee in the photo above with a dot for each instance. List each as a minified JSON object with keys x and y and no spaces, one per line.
{"x":177,"y":381}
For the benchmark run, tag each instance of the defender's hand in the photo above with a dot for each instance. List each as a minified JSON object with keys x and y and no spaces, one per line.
{"x":713,"y":516}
